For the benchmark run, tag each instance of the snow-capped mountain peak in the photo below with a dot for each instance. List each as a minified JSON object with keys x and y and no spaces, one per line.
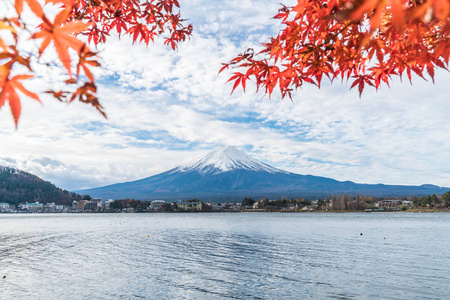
{"x":226,"y":159}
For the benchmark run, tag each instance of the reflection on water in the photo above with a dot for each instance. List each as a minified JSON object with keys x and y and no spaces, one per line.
{"x":220,"y":255}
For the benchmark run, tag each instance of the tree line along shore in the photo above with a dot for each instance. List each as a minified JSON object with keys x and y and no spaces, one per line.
{"x":336,"y":203}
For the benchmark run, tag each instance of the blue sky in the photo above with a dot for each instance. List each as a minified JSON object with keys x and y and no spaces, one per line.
{"x":166,"y":107}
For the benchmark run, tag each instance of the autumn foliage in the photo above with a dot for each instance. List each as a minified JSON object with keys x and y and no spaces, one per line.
{"x":77,"y":23}
{"x":364,"y":41}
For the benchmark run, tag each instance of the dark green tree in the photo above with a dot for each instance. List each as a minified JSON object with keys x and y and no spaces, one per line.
{"x":446,"y":199}
{"x":426,"y":200}
{"x":435,"y":200}
{"x":248,"y":201}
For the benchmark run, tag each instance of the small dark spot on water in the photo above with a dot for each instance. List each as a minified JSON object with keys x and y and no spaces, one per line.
{"x":360,"y":233}
{"x":4,"y":276}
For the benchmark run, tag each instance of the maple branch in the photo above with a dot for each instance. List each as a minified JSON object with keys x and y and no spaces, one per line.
{"x":327,"y":41}
{"x":85,"y":9}
{"x":317,"y":41}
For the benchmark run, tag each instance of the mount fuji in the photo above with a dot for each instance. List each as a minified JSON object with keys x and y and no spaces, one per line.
{"x":229,"y":174}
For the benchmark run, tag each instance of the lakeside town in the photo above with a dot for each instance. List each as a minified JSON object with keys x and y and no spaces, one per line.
{"x":336,"y":203}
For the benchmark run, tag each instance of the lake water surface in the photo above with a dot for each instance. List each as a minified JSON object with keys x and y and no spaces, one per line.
{"x":225,"y":255}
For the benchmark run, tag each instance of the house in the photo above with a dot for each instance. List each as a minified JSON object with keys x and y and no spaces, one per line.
{"x":91,"y":205}
{"x":157,"y":205}
{"x":108,"y":203}
{"x":98,"y":201}
{"x":49,"y":207}
{"x":4,"y":207}
{"x":227,"y":205}
{"x":60,"y":208}
{"x":236,"y":206}
{"x":34,"y":207}
{"x":191,"y":205}
{"x":389,"y":204}
{"x":79,"y":205}
{"x":407,"y":202}
{"x":217,"y":207}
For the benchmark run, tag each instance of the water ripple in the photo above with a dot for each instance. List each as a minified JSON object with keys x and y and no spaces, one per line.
{"x":225,"y":256}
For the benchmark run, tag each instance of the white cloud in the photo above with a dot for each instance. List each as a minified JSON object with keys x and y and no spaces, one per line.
{"x":165,"y":106}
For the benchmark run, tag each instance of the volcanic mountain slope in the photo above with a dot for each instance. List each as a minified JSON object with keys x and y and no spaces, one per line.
{"x":229,"y":174}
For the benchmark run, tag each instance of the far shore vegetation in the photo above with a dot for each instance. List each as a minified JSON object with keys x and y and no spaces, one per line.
{"x":336,"y":203}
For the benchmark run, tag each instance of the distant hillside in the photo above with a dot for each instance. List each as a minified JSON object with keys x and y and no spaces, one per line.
{"x":17,"y":186}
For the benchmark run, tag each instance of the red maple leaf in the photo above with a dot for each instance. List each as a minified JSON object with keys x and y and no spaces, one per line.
{"x":9,"y":88}
{"x":62,"y":35}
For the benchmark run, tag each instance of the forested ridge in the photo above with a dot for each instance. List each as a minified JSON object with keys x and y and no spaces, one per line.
{"x":18,"y":186}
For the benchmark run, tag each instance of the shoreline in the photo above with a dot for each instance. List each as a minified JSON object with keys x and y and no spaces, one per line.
{"x":236,"y":211}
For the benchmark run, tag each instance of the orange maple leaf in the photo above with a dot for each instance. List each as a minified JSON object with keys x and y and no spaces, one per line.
{"x":34,"y":5}
{"x":4,"y":25}
{"x":2,"y":44}
{"x":62,"y":35}
{"x":9,"y":92}
{"x":86,"y":57}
